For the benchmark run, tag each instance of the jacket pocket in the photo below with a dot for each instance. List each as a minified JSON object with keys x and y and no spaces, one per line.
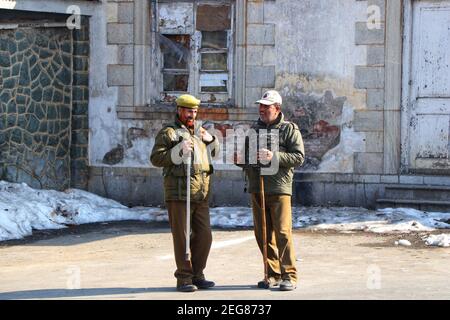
{"x":178,"y":171}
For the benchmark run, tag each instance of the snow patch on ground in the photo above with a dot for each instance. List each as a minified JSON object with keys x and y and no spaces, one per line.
{"x":442,"y":240}
{"x":23,"y":209}
{"x":403,"y":242}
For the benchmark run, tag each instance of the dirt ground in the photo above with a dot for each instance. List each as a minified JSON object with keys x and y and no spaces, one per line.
{"x":133,"y":260}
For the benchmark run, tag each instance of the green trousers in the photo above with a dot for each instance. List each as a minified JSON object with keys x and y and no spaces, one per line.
{"x":280,"y":248}
{"x":200,"y":239}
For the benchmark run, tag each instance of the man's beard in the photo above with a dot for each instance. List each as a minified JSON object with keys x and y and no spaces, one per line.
{"x":189,"y":123}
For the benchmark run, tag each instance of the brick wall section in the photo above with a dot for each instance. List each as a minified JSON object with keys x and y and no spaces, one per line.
{"x":370,"y":77}
{"x":80,"y":102}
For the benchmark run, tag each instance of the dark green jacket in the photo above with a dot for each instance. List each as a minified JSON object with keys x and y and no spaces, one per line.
{"x":175,"y":174}
{"x":291,"y":154}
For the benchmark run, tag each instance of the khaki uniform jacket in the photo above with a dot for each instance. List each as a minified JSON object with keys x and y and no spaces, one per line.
{"x":175,"y":174}
{"x":291,"y":154}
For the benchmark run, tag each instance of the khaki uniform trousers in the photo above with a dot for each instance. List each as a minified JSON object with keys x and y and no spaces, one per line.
{"x":280,"y":249}
{"x":200,"y":241}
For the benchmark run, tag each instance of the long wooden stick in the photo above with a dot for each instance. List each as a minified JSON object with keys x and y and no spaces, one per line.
{"x":188,"y":210}
{"x":264,"y":228}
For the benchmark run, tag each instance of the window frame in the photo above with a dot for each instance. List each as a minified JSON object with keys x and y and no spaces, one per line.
{"x":229,"y":51}
{"x":173,"y":71}
{"x":195,"y":71}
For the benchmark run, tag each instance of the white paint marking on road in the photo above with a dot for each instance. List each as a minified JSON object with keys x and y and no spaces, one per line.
{"x":216,"y":245}
{"x":166,"y":257}
{"x":227,"y":243}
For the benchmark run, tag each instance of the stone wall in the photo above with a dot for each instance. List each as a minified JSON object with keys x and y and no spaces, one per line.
{"x":80,"y":103}
{"x":371,"y":77}
{"x":43,"y":106}
{"x":36,"y":79}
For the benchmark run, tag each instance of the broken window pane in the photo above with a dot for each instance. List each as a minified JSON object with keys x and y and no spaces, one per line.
{"x":214,"y":39}
{"x":213,"y":82}
{"x":214,"y":61}
{"x":213,"y":18}
{"x":176,"y":51}
{"x":175,"y":82}
{"x":194,"y":37}
{"x":172,"y":61}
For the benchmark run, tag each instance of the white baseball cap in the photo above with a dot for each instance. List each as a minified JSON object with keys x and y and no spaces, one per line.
{"x":270,"y":97}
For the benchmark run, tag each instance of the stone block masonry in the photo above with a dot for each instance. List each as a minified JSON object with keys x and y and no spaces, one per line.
{"x":44,"y":106}
{"x":80,"y":100}
{"x":35,"y":106}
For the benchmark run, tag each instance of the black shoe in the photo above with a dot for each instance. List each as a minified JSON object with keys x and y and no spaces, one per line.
{"x":187,"y":288}
{"x":203,"y":284}
{"x":287,"y":285}
{"x":273,"y":283}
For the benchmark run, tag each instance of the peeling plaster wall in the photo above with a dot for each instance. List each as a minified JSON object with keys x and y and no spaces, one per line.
{"x":317,"y":37}
{"x":323,"y":108}
{"x":113,"y":141}
{"x":315,"y":64}
{"x":106,"y":130}
{"x":316,"y":59}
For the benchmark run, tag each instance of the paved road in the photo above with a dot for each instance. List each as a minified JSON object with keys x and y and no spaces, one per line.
{"x":133,"y":260}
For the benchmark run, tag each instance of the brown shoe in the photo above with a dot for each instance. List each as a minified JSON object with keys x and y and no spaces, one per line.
{"x":203,"y":284}
{"x":187,"y":287}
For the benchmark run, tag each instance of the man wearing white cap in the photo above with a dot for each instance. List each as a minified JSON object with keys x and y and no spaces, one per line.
{"x":281,"y":261}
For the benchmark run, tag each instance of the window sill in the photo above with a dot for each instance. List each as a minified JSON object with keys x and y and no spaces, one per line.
{"x":167,"y":112}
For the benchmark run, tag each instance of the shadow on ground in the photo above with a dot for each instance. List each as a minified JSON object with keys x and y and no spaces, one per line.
{"x":89,"y":232}
{"x":84,"y":233}
{"x":92,"y":292}
{"x":73,"y":293}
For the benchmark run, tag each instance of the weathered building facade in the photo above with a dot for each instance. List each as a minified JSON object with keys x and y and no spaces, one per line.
{"x":366,"y":81}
